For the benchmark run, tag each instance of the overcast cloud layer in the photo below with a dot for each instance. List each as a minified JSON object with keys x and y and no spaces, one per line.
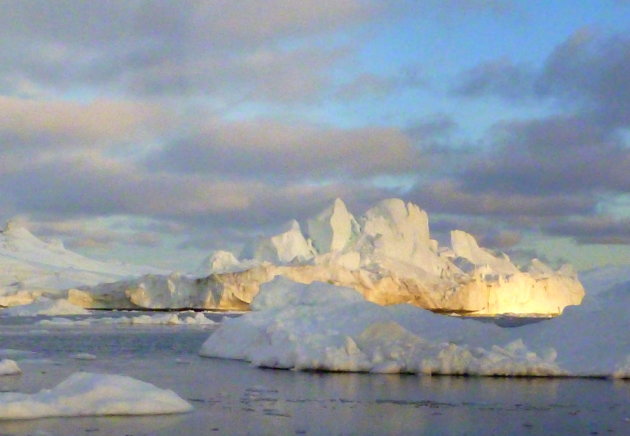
{"x":182,"y":127}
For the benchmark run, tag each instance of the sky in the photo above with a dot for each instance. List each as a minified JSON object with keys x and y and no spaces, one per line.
{"x":156,"y":131}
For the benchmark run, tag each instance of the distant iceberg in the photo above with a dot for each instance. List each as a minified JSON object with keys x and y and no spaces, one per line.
{"x":387,"y":255}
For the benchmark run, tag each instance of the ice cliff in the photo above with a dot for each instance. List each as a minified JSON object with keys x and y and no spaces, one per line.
{"x":387,"y":255}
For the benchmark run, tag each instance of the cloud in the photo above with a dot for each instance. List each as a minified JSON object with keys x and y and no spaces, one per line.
{"x":379,"y":86}
{"x":184,"y":48}
{"x":501,"y":239}
{"x":592,"y":70}
{"x":92,"y":185}
{"x":552,"y":155}
{"x":451,"y":197}
{"x":499,"y":77}
{"x":587,"y":74}
{"x":280,"y":151}
{"x":434,"y":126}
{"x":593,"y":230}
{"x":56,"y":124}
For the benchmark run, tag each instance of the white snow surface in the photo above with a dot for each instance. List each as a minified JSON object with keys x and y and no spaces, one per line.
{"x":88,"y":394}
{"x":324,"y":327}
{"x":9,"y":367}
{"x":45,"y":306}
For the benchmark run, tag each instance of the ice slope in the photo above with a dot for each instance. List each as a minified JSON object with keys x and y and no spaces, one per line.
{"x":323,"y":327}
{"x":30,"y":267}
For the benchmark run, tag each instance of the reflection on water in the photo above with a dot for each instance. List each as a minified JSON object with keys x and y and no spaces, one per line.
{"x":234,"y":398}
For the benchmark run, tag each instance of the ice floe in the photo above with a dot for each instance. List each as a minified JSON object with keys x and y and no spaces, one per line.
{"x":9,"y":367}
{"x":325,"y":327}
{"x":198,"y":319}
{"x":88,"y":394}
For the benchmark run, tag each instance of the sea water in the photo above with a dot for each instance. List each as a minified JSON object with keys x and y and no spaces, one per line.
{"x":232,"y":397}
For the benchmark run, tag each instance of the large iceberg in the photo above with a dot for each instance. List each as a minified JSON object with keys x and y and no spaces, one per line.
{"x":387,"y":255}
{"x":325,"y":327}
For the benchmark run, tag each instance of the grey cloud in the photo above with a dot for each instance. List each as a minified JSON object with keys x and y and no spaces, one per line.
{"x":92,"y":23}
{"x":499,"y":77}
{"x":501,"y":239}
{"x":80,"y":187}
{"x":163,"y":47}
{"x":493,"y":5}
{"x":379,"y":86}
{"x":587,"y":72}
{"x":434,"y":126}
{"x":37,"y":124}
{"x":91,"y":185}
{"x":594,"y":71}
{"x":593,"y":230}
{"x":280,"y":151}
{"x":451,"y":197}
{"x":551,"y":156}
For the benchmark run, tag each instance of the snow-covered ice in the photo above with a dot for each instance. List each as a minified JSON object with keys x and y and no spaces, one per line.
{"x":324,"y":327}
{"x":88,"y":394}
{"x":9,"y":367}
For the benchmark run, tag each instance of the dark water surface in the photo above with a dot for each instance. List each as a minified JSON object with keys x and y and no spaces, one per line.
{"x":234,"y":398}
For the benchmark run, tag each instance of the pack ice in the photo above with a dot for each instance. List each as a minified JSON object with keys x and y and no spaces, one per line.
{"x":387,"y":255}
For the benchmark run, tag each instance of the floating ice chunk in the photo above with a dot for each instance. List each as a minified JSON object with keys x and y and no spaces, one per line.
{"x":83,"y":356}
{"x":88,"y":394}
{"x":159,"y":319}
{"x":9,"y":367}
{"x":623,"y":370}
{"x":324,"y":327}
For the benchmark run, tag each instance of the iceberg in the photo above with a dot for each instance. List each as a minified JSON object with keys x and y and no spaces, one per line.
{"x":387,"y":255}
